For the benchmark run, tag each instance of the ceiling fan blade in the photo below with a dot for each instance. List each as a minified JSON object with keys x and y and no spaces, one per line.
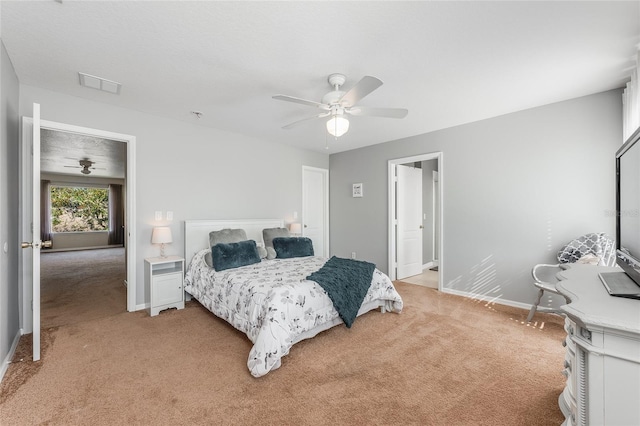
{"x":365,"y":86}
{"x":378,"y":112}
{"x":295,"y":123}
{"x":300,"y":101}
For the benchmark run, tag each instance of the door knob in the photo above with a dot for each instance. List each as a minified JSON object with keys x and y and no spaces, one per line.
{"x":421,"y":227}
{"x":45,"y":244}
{"x":305,"y":226}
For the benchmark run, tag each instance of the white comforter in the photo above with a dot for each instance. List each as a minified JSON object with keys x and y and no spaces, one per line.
{"x":274,"y":304}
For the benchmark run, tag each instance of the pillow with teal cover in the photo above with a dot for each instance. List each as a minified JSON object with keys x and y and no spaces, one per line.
{"x":234,"y":255}
{"x":288,"y":247}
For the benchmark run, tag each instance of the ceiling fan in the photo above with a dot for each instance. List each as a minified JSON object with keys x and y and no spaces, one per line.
{"x":86,"y":165}
{"x":337,"y":103}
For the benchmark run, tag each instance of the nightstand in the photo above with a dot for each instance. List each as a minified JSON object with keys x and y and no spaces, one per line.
{"x":164,"y":276}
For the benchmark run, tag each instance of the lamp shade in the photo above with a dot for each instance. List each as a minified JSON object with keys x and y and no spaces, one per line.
{"x":295,"y":228}
{"x":161,"y":235}
{"x":337,"y":126}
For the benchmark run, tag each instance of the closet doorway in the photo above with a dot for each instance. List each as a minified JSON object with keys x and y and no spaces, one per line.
{"x":315,"y":208}
{"x":415,"y":219}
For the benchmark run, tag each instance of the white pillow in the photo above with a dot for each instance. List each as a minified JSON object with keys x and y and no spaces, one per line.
{"x":589,"y":259}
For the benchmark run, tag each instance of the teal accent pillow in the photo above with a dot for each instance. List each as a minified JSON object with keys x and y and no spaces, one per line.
{"x":263,"y":252}
{"x":288,"y":247}
{"x":234,"y":255}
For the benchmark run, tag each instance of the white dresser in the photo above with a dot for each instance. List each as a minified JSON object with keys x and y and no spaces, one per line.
{"x":602,"y":361}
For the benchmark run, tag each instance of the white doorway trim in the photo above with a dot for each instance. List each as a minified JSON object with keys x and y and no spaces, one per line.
{"x":130,"y":204}
{"x":392,"y":210}
{"x":435,"y":191}
{"x":325,"y":202}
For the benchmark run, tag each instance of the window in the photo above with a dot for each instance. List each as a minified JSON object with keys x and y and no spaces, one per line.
{"x":79,"y":209}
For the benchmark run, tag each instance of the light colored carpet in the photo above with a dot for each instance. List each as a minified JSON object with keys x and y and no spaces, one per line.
{"x":445,"y":360}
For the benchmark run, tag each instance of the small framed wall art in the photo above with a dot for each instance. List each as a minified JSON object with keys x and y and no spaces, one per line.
{"x":357,"y":190}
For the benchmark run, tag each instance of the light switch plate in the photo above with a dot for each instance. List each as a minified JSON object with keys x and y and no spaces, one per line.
{"x":158,"y":215}
{"x":169,"y":215}
{"x":357,"y":190}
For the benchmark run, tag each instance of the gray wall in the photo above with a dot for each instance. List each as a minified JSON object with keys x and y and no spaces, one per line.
{"x":194,"y":171}
{"x":515,"y":189}
{"x":428,"y":167}
{"x":9,"y":304}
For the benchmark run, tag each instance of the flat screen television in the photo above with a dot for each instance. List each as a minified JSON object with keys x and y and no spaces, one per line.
{"x":628,"y":207}
{"x":627,"y":222}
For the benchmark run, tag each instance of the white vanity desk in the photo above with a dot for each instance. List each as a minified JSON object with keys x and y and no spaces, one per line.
{"x":602,"y":361}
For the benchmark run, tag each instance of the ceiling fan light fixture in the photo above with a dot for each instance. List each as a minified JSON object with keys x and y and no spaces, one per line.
{"x":337,"y":103}
{"x":337,"y":126}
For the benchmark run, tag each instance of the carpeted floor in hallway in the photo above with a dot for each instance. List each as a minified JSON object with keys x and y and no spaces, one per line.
{"x":83,"y":285}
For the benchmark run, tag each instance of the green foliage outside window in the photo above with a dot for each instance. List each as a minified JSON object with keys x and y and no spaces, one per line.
{"x":76,"y":209}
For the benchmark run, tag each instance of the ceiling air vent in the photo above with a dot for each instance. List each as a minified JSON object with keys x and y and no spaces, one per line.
{"x":99,"y":83}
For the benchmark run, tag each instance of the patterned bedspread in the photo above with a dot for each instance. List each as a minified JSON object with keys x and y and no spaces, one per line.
{"x":273,"y":303}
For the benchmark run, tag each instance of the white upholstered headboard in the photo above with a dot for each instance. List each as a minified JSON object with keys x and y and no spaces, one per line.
{"x":196,"y":232}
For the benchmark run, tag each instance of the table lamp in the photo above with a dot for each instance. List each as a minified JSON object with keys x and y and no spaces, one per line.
{"x":161,"y":235}
{"x":295,"y":228}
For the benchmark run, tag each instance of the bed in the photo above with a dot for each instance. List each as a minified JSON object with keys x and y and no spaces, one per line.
{"x":271,"y":301}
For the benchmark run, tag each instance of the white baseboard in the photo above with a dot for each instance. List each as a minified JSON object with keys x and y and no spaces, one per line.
{"x":80,"y":248}
{"x":142,"y":307}
{"x":486,"y":298}
{"x":7,"y":360}
{"x":429,"y":265}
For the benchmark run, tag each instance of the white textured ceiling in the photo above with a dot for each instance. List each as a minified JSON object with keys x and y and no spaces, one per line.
{"x":448,"y":63}
{"x":61,"y":153}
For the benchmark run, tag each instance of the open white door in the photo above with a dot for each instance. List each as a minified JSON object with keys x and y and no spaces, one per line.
{"x":315,"y":208}
{"x":30,"y":221}
{"x":32,"y":232}
{"x":409,"y":208}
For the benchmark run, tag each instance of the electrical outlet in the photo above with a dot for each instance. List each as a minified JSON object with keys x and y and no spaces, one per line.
{"x":353,"y":254}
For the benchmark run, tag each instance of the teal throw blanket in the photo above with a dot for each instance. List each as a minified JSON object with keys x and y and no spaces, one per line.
{"x":346,"y":281}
